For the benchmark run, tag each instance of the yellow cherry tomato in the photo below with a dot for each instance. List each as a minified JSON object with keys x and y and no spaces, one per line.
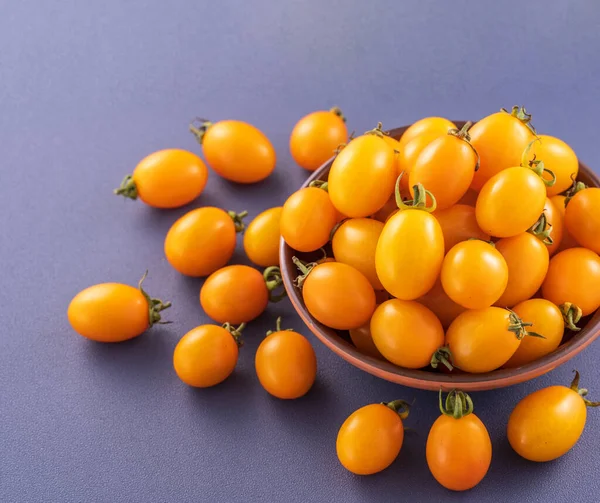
{"x":441,"y":305}
{"x":559,"y":158}
{"x":428,"y":125}
{"x":362,"y":339}
{"x":459,"y":224}
{"x":262,"y":236}
{"x":582,"y":218}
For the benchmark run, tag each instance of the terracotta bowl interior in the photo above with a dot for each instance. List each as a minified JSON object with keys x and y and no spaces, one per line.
{"x":339,"y":341}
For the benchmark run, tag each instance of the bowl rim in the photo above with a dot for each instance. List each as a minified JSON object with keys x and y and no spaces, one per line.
{"x":424,"y":379}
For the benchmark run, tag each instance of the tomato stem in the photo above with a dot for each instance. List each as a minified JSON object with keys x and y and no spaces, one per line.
{"x":155,"y":306}
{"x":542,"y":229}
{"x":320,"y":184}
{"x":536,"y":165}
{"x":521,"y":114}
{"x":278,"y":327}
{"x":199,"y":127}
{"x":458,"y":404}
{"x":273,"y":280}
{"x":338,"y":111}
{"x":127,"y":188}
{"x":582,"y":391}
{"x":236,"y":333}
{"x":401,"y":407}
{"x":571,"y":314}
{"x":463,"y":134}
{"x":419,"y":201}
{"x":304,"y":268}
{"x":238,"y":220}
{"x":378,"y":131}
{"x":519,"y":327}
{"x":442,"y":355}
{"x":574,"y":189}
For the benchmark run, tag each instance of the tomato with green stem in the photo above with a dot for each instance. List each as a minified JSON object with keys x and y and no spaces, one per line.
{"x":582,"y":217}
{"x":262,"y":236}
{"x":459,"y":224}
{"x":559,"y":158}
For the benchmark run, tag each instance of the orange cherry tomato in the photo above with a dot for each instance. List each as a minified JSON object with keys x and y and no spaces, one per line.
{"x":459,"y":224}
{"x":362,"y":176}
{"x":566,"y":241}
{"x":262,"y":236}
{"x":408,"y":153}
{"x":500,"y":140}
{"x":354,"y":243}
{"x":527,"y":260}
{"x":362,"y":339}
{"x":166,"y":179}
{"x":459,"y":449}
{"x":113,"y":312}
{"x":307,"y":219}
{"x":338,"y":295}
{"x":406,"y":333}
{"x":370,"y":439}
{"x":207,"y":355}
{"x":574,"y":277}
{"x":286,"y":364}
{"x":474,"y":274}
{"x":202,"y":240}
{"x":236,"y":150}
{"x":441,"y":305}
{"x":559,"y":158}
{"x":547,"y":321}
{"x":429,"y":126}
{"x":582,"y":218}
{"x":316,"y":137}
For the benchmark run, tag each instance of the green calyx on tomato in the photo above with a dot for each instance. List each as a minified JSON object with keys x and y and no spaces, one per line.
{"x":238,"y":220}
{"x":419,"y":201}
{"x":199,"y":127}
{"x":304,"y":268}
{"x":127,"y":188}
{"x":400,"y":407}
{"x":338,"y":111}
{"x":521,"y":114}
{"x":378,"y":131}
{"x":519,"y":327}
{"x":273,"y":280}
{"x":458,"y":404}
{"x":537,"y":165}
{"x":155,"y":306}
{"x":574,"y":189}
{"x":236,"y":333}
{"x":442,"y":355}
{"x":582,"y":392}
{"x":278,"y":327}
{"x":571,"y":314}
{"x":542,"y":229}
{"x":319,"y":184}
{"x":463,"y":134}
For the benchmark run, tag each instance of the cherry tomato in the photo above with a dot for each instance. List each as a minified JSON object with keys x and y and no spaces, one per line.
{"x":354,"y":243}
{"x":429,"y":126}
{"x":554,"y":225}
{"x":443,"y":307}
{"x":406,"y":333}
{"x":500,"y":140}
{"x":202,"y":240}
{"x":236,"y":150}
{"x":338,"y":295}
{"x":582,"y":218}
{"x":362,"y":176}
{"x":574,"y":276}
{"x":483,"y":340}
{"x":547,"y":423}
{"x":527,"y":260}
{"x":474,"y":274}
{"x":409,"y":151}
{"x":166,"y":179}
{"x":559,"y":158}
{"x":459,"y":449}
{"x":459,"y":224}
{"x":113,"y":312}
{"x":362,"y":339}
{"x":316,"y":136}
{"x":261,"y":238}
{"x":547,"y":320}
{"x":370,"y":439}
{"x":207,"y":355}
{"x":286,"y":364}
{"x":307,"y":219}
{"x":566,"y":241}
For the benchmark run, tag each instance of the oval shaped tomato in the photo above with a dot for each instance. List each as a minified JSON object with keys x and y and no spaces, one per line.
{"x":574,"y":276}
{"x":474,"y":274}
{"x":510,"y":202}
{"x":202,"y":240}
{"x":207,"y":355}
{"x":566,"y":241}
{"x":236,"y":150}
{"x":362,"y":339}
{"x":370,"y":439}
{"x":409,"y":151}
{"x":527,"y":259}
{"x":316,"y":137}
{"x":582,"y":218}
{"x":547,"y":320}
{"x":286,"y":364}
{"x":354,"y":243}
{"x":307,"y":219}
{"x":262,"y":236}
{"x":427,"y":125}
{"x":547,"y":423}
{"x":362,"y":176}
{"x":338,"y":295}
{"x":166,"y":179}
{"x":441,"y":305}
{"x":406,"y":333}
{"x":409,"y":253}
{"x":559,"y":158}
{"x":459,"y":224}
{"x":500,"y":140}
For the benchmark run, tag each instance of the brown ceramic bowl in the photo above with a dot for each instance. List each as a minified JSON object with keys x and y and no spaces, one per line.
{"x":339,"y":341}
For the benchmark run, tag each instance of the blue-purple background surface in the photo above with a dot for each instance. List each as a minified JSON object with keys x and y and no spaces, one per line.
{"x":89,"y":88}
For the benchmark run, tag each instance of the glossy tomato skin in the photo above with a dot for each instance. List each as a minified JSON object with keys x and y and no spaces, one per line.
{"x":441,"y":305}
{"x":459,"y":224}
{"x":428,"y":126}
{"x":234,"y":294}
{"x":547,"y":321}
{"x":307,"y":218}
{"x":554,"y":224}
{"x":286,"y":364}
{"x":262,"y":236}
{"x":362,"y":339}
{"x":354,"y":243}
{"x":238,"y":151}
{"x":205,"y":356}
{"x":559,"y":158}
{"x":395,"y":146}
{"x":109,"y":312}
{"x":370,"y":439}
{"x":474,"y":274}
{"x":566,"y":241}
{"x":316,"y":137}
{"x":547,"y":423}
{"x":406,"y":333}
{"x":510,"y":202}
{"x":574,"y":276}
{"x":527,"y":259}
{"x":362,"y":176}
{"x":500,"y":140}
{"x":459,"y":451}
{"x":339,"y":296}
{"x":582,"y":218}
{"x":170,"y":178}
{"x":409,"y":253}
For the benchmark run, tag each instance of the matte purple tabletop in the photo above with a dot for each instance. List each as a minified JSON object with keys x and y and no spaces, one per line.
{"x":89,"y":88}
